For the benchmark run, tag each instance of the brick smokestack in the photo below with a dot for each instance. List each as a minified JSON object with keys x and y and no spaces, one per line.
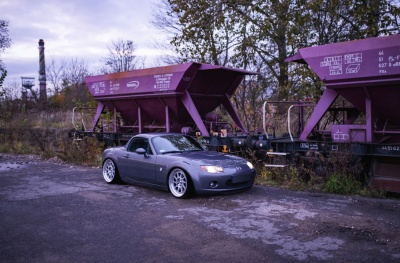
{"x":42,"y":72}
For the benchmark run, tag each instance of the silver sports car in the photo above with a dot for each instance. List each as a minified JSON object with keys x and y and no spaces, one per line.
{"x":177,"y":163}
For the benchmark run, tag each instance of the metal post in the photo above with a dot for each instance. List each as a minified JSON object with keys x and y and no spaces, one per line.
{"x":167,"y":128}
{"x":301,"y":118}
{"x":369,"y":119}
{"x":100,"y":108}
{"x":140,"y":119}
{"x":115,"y":120}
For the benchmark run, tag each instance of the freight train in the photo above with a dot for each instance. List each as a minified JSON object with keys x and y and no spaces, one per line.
{"x":364,"y":74}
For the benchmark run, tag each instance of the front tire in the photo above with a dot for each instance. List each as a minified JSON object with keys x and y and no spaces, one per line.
{"x":179,"y":183}
{"x":110,"y":172}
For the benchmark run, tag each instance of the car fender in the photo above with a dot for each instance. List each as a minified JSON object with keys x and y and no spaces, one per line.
{"x":189,"y":169}
{"x":111,"y":154}
{"x":182,"y":165}
{"x":164,"y":168}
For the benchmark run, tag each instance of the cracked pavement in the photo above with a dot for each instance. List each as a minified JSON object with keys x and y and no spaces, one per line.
{"x":56,"y":212}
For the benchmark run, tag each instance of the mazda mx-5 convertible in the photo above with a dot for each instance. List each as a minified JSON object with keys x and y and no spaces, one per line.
{"x":177,"y":163}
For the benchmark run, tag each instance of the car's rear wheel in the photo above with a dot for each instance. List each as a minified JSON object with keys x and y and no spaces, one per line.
{"x":110,"y":172}
{"x":179,"y":183}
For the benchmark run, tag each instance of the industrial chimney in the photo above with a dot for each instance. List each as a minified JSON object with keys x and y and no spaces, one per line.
{"x":42,"y":72}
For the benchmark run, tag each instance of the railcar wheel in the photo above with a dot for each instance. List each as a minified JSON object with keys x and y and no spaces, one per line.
{"x":110,"y":172}
{"x":179,"y":183}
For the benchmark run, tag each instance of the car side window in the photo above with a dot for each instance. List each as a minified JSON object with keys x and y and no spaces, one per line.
{"x":137,"y":143}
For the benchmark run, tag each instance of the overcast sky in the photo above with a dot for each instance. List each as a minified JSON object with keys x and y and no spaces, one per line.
{"x":80,"y":29}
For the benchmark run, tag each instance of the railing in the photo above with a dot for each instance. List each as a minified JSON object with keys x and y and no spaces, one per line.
{"x":298,"y":104}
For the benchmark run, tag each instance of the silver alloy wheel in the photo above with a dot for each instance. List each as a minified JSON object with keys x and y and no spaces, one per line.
{"x":109,"y":171}
{"x":178,"y":183}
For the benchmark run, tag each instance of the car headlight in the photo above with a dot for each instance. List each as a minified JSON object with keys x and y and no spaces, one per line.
{"x":212,"y":168}
{"x":250,"y":165}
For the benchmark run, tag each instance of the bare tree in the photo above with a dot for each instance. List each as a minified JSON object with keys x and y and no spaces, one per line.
{"x":66,"y":73}
{"x":11,"y":91}
{"x":74,"y":72}
{"x":54,"y":74}
{"x":121,"y":57}
{"x":68,"y":81}
{"x":167,"y":22}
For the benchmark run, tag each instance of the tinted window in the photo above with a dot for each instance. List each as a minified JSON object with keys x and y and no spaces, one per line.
{"x":137,"y":143}
{"x":175,"y":143}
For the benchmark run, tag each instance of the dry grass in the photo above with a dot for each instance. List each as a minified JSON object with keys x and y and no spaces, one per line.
{"x":46,"y":134}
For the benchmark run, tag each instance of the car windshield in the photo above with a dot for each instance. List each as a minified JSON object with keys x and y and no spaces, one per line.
{"x":175,"y":143}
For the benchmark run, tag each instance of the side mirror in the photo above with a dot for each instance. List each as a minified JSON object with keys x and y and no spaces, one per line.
{"x":141,"y":151}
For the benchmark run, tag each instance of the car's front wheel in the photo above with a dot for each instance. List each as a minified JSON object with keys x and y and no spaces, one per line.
{"x":179,"y":183}
{"x":110,"y":172}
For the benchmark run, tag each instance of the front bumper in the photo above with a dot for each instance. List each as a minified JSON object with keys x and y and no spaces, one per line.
{"x":220,"y":183}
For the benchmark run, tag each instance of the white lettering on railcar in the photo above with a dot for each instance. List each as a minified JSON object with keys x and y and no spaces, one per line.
{"x":114,"y":87}
{"x":335,"y":63}
{"x":340,"y":136}
{"x":133,"y":84}
{"x":163,"y":81}
{"x":98,"y":87}
{"x":386,"y":63}
{"x":314,"y":146}
{"x":353,"y":58}
{"x":391,"y":148}
{"x":304,"y":145}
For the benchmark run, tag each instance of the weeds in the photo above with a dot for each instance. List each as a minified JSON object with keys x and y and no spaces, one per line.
{"x":288,"y":177}
{"x":342,"y":184}
{"x":338,"y":172}
{"x":46,"y":134}
{"x":88,"y":150}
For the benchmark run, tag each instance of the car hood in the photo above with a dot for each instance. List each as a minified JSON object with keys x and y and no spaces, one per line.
{"x":211,"y":158}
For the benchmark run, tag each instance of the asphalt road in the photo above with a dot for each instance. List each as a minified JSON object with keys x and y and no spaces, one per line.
{"x":55,"y":212}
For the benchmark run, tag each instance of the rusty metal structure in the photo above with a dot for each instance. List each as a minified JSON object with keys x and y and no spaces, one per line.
{"x":181,"y":98}
{"x":27,"y":84}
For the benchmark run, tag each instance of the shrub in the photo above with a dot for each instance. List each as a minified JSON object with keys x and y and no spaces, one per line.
{"x":88,"y":151}
{"x":45,"y":133}
{"x":342,"y":184}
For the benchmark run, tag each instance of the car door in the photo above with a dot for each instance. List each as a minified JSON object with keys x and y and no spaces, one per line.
{"x":135,"y":166}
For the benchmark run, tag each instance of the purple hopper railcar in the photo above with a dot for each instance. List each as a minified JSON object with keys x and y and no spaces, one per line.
{"x":166,"y":98}
{"x":367,"y":74}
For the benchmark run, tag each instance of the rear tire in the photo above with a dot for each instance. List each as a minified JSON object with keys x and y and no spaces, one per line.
{"x":179,"y":183}
{"x":110,"y":172}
